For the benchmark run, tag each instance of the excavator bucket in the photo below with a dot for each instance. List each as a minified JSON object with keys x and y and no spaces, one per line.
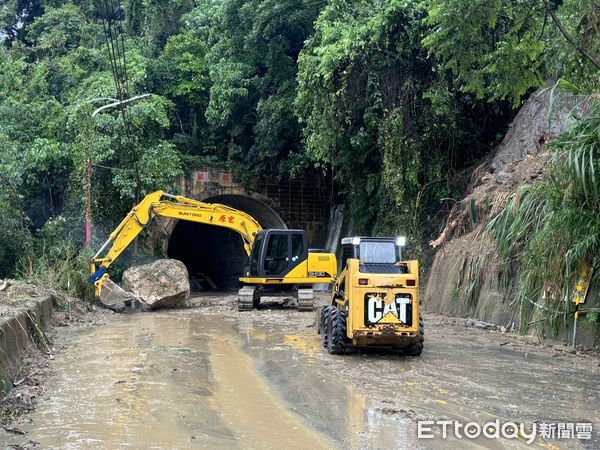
{"x":118,"y":299}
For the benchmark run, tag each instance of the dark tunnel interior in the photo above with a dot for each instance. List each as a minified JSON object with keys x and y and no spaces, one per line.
{"x":215,"y":256}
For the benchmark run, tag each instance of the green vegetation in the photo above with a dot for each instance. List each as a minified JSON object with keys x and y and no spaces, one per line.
{"x":500,"y":49}
{"x":394,"y":100}
{"x":547,"y":228}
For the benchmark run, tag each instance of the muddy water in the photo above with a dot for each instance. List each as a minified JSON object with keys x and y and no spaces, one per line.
{"x":164,"y":380}
{"x":373,"y":399}
{"x":323,"y":389}
{"x":205,"y":378}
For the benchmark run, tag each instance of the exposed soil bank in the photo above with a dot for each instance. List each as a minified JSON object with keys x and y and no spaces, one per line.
{"x":210,"y":377}
{"x":25,"y":312}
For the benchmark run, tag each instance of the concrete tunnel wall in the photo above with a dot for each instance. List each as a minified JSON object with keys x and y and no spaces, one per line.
{"x":217,"y":252}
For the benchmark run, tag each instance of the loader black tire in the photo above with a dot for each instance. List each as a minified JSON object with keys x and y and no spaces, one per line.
{"x":323,"y":319}
{"x":336,"y":331}
{"x":415,"y":348}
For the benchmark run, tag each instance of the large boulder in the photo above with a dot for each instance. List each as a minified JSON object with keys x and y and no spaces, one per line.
{"x":161,"y":284}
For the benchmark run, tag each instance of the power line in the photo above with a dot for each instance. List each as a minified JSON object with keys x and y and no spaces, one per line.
{"x":111,"y":14}
{"x":111,"y":168}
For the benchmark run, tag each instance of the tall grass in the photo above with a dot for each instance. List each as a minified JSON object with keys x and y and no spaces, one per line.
{"x":62,"y":267}
{"x":548,"y":227}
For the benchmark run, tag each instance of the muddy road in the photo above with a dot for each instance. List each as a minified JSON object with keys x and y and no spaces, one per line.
{"x":210,"y":377}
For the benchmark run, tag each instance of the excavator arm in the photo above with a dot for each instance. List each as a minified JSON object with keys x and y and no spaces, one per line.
{"x":162,"y":204}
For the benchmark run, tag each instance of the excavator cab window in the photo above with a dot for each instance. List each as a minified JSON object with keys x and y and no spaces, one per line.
{"x":276,"y":252}
{"x":255,"y":255}
{"x":276,"y":258}
{"x":297,"y":247}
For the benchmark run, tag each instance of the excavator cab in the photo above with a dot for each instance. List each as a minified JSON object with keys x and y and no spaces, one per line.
{"x":281,"y":265}
{"x":276,"y":252}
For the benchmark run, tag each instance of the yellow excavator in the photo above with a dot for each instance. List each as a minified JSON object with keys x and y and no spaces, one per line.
{"x":279,"y":260}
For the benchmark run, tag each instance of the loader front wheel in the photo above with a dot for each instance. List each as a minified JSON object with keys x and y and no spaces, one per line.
{"x":323,"y":319}
{"x":416,"y":347}
{"x":336,"y":331}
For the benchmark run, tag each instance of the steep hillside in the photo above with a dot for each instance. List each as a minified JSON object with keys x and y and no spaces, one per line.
{"x":465,"y":277}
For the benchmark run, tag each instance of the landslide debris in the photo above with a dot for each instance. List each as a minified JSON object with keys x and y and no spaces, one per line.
{"x":161,"y":284}
{"x":464,"y":279}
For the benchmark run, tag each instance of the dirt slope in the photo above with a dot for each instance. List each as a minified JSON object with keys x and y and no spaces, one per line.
{"x":464,"y":252}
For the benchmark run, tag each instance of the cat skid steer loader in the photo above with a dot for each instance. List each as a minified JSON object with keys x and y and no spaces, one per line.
{"x":375,"y":300}
{"x":279,"y":263}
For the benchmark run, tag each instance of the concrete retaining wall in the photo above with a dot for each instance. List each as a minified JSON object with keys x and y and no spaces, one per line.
{"x":471,"y":259}
{"x":23,"y":317}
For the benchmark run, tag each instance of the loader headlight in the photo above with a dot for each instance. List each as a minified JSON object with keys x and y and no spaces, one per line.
{"x":401,"y":241}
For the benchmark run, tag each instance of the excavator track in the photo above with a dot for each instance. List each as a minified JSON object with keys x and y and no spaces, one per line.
{"x":306,"y":300}
{"x":245,"y":298}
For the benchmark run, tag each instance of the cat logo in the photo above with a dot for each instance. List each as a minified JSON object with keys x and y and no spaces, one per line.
{"x":378,"y":311}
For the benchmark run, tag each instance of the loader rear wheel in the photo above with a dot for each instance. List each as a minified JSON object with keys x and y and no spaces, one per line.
{"x":336,"y":331}
{"x":416,"y":347}
{"x":325,"y":312}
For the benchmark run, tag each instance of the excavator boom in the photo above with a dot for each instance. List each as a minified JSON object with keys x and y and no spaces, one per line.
{"x":162,"y":204}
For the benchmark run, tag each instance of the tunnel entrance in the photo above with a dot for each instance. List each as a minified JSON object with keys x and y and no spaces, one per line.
{"x":215,"y":256}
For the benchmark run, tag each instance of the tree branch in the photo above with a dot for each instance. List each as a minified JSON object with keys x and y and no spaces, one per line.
{"x":559,"y":25}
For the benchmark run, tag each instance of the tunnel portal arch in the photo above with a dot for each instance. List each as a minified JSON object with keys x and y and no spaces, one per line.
{"x":213,"y":255}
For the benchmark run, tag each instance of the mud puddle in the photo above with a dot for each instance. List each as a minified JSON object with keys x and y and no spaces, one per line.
{"x":359,"y":410}
{"x":373,"y":399}
{"x":212,"y":378}
{"x":163,"y":380}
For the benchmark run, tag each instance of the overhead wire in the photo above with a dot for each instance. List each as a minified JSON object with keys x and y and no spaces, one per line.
{"x":115,"y":41}
{"x":111,"y":168}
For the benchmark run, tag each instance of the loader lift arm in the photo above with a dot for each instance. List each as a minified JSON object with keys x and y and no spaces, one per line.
{"x":162,"y":204}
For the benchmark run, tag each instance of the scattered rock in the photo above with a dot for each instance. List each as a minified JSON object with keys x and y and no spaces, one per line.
{"x":479,"y":324}
{"x":502,"y":177}
{"x":161,"y":284}
{"x":4,"y":284}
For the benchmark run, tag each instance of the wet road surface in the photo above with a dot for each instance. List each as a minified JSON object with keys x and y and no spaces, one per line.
{"x":213,"y":378}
